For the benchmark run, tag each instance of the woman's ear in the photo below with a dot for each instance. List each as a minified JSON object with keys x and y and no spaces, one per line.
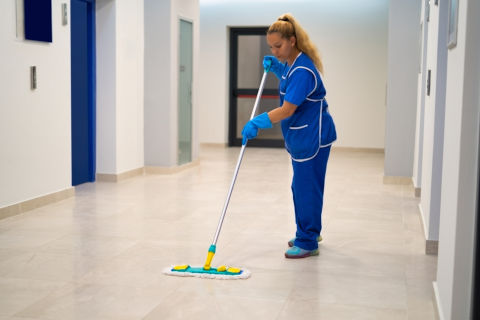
{"x":293,"y":41}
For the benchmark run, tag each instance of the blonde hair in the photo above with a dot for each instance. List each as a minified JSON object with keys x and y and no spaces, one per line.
{"x":287,"y":26}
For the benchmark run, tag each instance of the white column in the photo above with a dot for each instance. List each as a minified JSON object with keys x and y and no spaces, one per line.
{"x":106,"y":86}
{"x":434,"y":119}
{"x":453,"y":288}
{"x":418,"y":152}
{"x":403,"y":61}
{"x":120,"y":68}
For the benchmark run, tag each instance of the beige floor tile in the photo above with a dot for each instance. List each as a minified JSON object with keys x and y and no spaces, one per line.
{"x":311,"y":309}
{"x":93,"y":301}
{"x":100,"y":254}
{"x":16,"y":294}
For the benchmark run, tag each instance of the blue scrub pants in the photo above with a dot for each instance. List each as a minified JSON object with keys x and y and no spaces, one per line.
{"x":307,"y":188}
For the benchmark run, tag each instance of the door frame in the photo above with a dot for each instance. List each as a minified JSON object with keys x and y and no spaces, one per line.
{"x":234,"y":92}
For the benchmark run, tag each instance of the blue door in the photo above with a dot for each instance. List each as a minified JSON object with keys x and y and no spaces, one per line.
{"x":82,"y":16}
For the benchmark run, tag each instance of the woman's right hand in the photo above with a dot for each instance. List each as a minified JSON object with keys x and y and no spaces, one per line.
{"x":270,"y":63}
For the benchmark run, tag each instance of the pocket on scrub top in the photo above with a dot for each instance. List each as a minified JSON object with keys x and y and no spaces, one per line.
{"x":301,"y":141}
{"x":298,"y":128}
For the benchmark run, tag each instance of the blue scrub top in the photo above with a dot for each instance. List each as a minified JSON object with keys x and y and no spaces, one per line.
{"x":311,"y":127}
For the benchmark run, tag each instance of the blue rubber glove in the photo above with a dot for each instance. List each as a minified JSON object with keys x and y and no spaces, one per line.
{"x":250,"y":130}
{"x":270,"y":63}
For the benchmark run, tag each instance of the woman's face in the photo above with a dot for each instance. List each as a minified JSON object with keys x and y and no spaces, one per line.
{"x":283,"y":49}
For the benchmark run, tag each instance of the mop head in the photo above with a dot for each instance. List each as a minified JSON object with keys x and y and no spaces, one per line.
{"x":222,"y":273}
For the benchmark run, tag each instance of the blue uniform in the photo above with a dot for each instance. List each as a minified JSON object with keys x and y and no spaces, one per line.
{"x":308,"y":135}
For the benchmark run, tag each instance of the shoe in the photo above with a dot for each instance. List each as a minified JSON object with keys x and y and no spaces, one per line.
{"x":297,"y":253}
{"x":292,"y":241}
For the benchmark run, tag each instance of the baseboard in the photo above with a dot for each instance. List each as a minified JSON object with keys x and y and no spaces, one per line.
{"x":397,"y":180}
{"x":418,"y":192}
{"x":436,"y":302}
{"x":353,"y":149}
{"x":171,"y":170}
{"x":334,"y":148}
{"x":112,"y":177}
{"x":431,"y":246}
{"x":214,"y":145}
{"x":36,"y":203}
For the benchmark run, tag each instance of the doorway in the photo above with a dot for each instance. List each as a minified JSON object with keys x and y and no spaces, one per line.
{"x":185,"y":92}
{"x":248,"y":46}
{"x":82,"y":16}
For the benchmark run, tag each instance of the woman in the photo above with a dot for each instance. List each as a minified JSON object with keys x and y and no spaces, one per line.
{"x":307,"y":126}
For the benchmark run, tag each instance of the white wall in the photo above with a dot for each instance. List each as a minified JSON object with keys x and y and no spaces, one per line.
{"x":460,"y":169}
{"x":120,"y":68}
{"x":161,"y":79}
{"x":403,"y":62}
{"x":35,"y":132}
{"x":352,"y":39}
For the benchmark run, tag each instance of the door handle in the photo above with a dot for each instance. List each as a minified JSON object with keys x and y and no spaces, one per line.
{"x":429,"y":74}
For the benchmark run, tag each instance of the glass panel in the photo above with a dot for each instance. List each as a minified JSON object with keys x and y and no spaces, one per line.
{"x":251,"y":50}
{"x":185,"y":94}
{"x":244,"y":110}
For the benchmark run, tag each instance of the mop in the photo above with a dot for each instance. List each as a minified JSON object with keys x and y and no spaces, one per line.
{"x":222,"y":272}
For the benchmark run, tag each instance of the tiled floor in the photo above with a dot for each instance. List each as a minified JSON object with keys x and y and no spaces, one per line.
{"x":100,"y":255}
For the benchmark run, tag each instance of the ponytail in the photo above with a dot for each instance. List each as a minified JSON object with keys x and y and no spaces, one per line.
{"x":287,"y":26}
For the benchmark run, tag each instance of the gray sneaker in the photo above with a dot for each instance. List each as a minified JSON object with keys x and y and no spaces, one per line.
{"x":290,"y":243}
{"x":297,"y":253}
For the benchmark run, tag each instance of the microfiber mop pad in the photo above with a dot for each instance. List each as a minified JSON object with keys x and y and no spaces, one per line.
{"x":222,"y":272}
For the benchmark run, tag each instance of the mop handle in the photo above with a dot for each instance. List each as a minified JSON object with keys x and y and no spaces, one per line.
{"x":239,"y":161}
